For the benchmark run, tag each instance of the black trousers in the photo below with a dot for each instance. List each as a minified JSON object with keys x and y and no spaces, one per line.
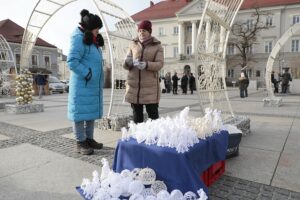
{"x":138,"y":112}
{"x":175,"y":88}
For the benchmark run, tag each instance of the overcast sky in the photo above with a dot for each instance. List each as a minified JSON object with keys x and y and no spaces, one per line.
{"x":58,"y":29}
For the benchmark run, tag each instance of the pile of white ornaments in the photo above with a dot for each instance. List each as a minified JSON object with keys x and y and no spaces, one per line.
{"x":180,"y":132}
{"x":139,"y":184}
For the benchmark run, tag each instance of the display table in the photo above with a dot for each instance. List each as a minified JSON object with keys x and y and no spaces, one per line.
{"x":178,"y":170}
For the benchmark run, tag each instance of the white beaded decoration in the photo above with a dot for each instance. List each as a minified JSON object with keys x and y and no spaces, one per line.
{"x":147,"y":176}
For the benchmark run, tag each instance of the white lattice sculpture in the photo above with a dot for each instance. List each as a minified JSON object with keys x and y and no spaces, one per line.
{"x":128,"y":184}
{"x":271,"y":100}
{"x":7,"y":60}
{"x":212,"y":38}
{"x":119,"y":29}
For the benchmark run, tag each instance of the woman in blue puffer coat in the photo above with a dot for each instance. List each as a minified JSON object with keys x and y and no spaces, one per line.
{"x":85,"y":103}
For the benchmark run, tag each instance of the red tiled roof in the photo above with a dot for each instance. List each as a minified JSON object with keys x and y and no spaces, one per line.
{"x":168,"y":8}
{"x":161,"y":10}
{"x":248,"y":4}
{"x":12,"y":32}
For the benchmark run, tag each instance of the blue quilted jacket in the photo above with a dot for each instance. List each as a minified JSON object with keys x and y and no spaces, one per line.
{"x":85,"y":100}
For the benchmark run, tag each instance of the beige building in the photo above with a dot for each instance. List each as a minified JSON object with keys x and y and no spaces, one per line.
{"x":175,"y":24}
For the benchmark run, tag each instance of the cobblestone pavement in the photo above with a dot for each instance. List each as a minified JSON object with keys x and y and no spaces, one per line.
{"x":229,"y":188}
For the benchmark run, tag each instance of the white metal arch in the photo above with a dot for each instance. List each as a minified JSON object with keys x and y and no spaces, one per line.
{"x":118,"y":26}
{"x":280,"y":43}
{"x":7,"y":60}
{"x":210,"y":58}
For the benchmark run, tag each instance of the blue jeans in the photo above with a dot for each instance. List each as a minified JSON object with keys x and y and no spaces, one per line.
{"x":83,"y":130}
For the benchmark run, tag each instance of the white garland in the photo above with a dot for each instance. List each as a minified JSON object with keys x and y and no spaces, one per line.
{"x":130,"y":184}
{"x":180,"y":132}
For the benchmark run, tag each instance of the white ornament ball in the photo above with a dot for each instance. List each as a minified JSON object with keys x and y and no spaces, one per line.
{"x":176,"y":195}
{"x":136,"y":187}
{"x":147,"y":176}
{"x":190,"y":196}
{"x":158,"y":186}
{"x":163,"y":195}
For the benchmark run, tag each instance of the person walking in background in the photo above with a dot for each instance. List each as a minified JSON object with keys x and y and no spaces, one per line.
{"x":144,"y":59}
{"x":175,"y":80}
{"x":40,"y":81}
{"x":246,"y":84}
{"x":85,"y":100}
{"x":286,"y":78}
{"x":274,"y":81}
{"x":184,"y":83}
{"x":192,"y":83}
{"x":243,"y":82}
{"x":168,"y":82}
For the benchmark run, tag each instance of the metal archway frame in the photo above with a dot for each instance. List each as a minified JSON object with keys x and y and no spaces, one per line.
{"x":280,"y":43}
{"x":45,"y":9}
{"x":7,"y":58}
{"x":212,"y":38}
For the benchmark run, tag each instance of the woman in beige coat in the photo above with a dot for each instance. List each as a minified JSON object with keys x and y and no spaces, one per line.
{"x":144,"y":60}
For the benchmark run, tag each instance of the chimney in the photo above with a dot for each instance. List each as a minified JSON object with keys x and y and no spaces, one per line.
{"x":151,"y":3}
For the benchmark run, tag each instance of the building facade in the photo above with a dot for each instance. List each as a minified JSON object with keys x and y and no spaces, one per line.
{"x":175,"y":23}
{"x":44,"y":55}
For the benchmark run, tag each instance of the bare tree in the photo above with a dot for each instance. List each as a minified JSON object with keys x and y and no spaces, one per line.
{"x":244,"y":34}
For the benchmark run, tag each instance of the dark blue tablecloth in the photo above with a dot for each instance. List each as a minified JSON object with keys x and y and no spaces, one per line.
{"x":178,"y":170}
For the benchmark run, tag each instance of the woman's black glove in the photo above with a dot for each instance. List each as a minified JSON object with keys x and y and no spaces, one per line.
{"x":88,"y":76}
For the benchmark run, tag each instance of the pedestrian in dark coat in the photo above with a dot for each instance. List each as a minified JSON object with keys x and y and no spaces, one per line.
{"x":184,"y":83}
{"x":243,"y":84}
{"x":192,"y":83}
{"x":41,"y":81}
{"x":286,"y":78}
{"x":175,"y":80}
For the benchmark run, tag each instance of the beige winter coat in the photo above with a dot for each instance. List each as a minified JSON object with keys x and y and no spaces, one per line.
{"x":142,"y":86}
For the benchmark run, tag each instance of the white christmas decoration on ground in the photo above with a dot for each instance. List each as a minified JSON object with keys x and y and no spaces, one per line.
{"x":180,"y":132}
{"x":113,"y":186}
{"x":24,"y":88}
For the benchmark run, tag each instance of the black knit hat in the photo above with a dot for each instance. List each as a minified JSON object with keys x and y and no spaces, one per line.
{"x":90,"y":21}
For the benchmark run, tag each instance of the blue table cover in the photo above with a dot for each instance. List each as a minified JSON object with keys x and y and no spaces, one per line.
{"x":178,"y":170}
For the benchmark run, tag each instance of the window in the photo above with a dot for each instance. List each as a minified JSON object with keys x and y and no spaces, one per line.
{"x":34,"y":60}
{"x":249,"y":73}
{"x":175,"y":52}
{"x":269,"y":21}
{"x":230,"y":73}
{"x":295,"y":45}
{"x":188,"y":49}
{"x":175,"y":30}
{"x":268,"y":46}
{"x":257,"y":73}
{"x":47,"y":61}
{"x":189,"y":29}
{"x":103,"y":62}
{"x":18,"y":58}
{"x":230,"y":49}
{"x":161,"y":31}
{"x":250,"y":23}
{"x":296,"y":19}
{"x":250,"y":49}
{"x":164,"y":48}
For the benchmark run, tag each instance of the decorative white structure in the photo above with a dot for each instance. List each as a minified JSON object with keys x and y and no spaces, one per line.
{"x":212,"y":38}
{"x":7,"y":60}
{"x":271,"y":100}
{"x":119,"y":29}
